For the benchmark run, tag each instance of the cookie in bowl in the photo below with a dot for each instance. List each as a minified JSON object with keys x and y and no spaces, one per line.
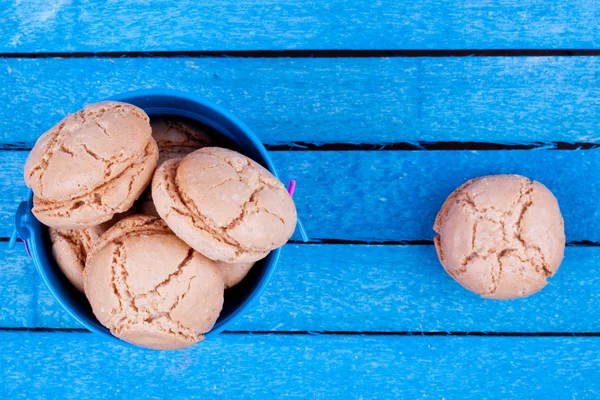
{"x":92,"y":165}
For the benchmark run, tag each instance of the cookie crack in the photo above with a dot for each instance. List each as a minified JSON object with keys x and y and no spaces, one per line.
{"x":474,"y":234}
{"x":181,"y":297}
{"x":496,"y":277}
{"x":120,"y":238}
{"x":65,"y":150}
{"x":178,"y":272}
{"x":245,"y":210}
{"x":42,"y":164}
{"x":197,"y":218}
{"x":479,"y":214}
{"x":113,"y":277}
{"x":119,"y":283}
{"x":482,"y":212}
{"x":246,"y":164}
{"x":544,"y":269}
{"x":527,"y":201}
{"x":182,"y":331}
{"x":221,"y":183}
{"x":75,"y":243}
{"x":472,"y":257}
{"x":108,"y":163}
{"x":263,"y":209}
{"x":103,"y":129}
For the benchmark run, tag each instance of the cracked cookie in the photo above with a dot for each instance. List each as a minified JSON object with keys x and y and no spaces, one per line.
{"x":175,"y":139}
{"x":149,"y":287}
{"x":233,"y":273}
{"x":92,"y":165}
{"x":71,"y":246}
{"x":500,"y":236}
{"x":224,"y":205}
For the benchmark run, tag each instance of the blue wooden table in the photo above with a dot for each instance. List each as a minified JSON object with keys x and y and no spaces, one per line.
{"x":378,"y":110}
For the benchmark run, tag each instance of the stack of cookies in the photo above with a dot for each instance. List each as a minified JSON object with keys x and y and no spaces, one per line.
{"x":154,"y":271}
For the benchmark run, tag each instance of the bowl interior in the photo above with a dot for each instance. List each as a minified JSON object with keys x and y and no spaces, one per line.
{"x":228,"y":132}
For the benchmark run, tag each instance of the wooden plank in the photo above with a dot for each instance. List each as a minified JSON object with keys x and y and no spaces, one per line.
{"x":376,"y":100}
{"x":32,"y":26}
{"x":359,"y":288}
{"x":298,"y":366}
{"x":394,"y":195}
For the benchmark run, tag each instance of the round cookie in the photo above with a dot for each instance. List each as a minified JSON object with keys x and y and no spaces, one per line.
{"x":70,"y":248}
{"x":149,"y":287}
{"x":175,"y":139}
{"x":147,"y":206}
{"x":93,"y":164}
{"x":224,"y":205}
{"x":233,"y":273}
{"x":501,"y":236}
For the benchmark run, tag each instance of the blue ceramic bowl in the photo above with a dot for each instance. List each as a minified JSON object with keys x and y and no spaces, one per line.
{"x":157,"y":103}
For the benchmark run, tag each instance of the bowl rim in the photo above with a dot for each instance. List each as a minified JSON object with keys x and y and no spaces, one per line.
{"x":31,"y":231}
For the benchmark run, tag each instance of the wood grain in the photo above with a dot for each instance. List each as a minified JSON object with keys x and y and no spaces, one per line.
{"x":250,"y":366}
{"x":358,"y":289}
{"x":504,"y":100}
{"x":394,"y":195}
{"x":63,"y":26}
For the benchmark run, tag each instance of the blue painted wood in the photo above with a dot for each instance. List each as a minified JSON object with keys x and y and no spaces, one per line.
{"x":394,"y":195}
{"x":31,"y":25}
{"x":375,"y":100}
{"x":78,"y":365}
{"x":359,"y":288}
{"x":330,"y":287}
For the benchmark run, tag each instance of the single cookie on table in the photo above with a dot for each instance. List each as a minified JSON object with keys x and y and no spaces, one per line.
{"x":71,"y":246}
{"x":92,"y":165}
{"x":175,"y":139}
{"x":233,"y":273}
{"x":224,"y":205}
{"x":149,"y":287}
{"x":501,"y":236}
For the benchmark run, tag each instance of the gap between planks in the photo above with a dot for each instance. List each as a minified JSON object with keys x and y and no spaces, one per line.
{"x":314,"y":241}
{"x":348,"y":333}
{"x":313,"y":53}
{"x":399,"y":146}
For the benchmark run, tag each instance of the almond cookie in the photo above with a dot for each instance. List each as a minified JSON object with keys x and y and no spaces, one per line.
{"x":224,"y":205}
{"x":233,"y":273}
{"x":501,"y":236}
{"x":149,"y":287}
{"x":175,"y":139}
{"x":71,"y":246}
{"x":93,"y":164}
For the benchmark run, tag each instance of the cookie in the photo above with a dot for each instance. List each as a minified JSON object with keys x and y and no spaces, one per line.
{"x":224,"y":205}
{"x":149,"y":287}
{"x":175,"y":138}
{"x":70,"y":248}
{"x":233,"y":273}
{"x":501,"y":236}
{"x":92,"y":165}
